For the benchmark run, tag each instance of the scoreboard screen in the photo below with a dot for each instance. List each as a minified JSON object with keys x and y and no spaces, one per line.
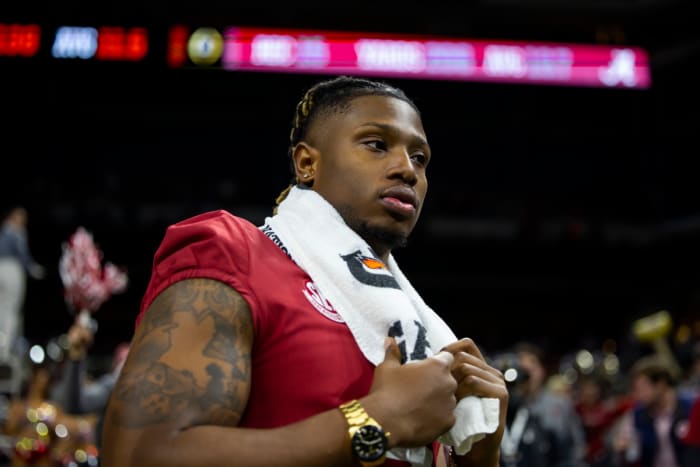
{"x":304,"y":51}
{"x":277,"y":50}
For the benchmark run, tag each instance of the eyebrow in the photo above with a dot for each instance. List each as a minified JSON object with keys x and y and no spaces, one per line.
{"x":395,"y":129}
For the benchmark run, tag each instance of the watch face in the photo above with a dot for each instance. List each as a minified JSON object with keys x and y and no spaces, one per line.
{"x":369,"y":443}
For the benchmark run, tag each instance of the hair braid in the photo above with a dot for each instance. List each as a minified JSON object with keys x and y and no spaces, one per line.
{"x":301,"y":115}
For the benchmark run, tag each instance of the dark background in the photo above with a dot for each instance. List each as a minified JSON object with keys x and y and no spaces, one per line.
{"x":556,"y":214}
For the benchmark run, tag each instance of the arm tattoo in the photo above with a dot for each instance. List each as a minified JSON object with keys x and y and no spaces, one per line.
{"x":191,"y":360}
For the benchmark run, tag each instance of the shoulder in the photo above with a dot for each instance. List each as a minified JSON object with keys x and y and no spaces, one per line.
{"x":218,"y":216}
{"x":216,"y":245}
{"x":219,"y":222}
{"x":685,"y":403}
{"x":202,"y":239}
{"x":552,"y":399}
{"x":554,"y":406}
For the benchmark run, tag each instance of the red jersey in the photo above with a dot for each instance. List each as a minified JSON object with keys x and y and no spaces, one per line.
{"x":692,"y":437}
{"x":304,"y":358}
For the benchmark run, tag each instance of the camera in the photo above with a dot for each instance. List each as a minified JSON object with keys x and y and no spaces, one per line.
{"x":509,"y":365}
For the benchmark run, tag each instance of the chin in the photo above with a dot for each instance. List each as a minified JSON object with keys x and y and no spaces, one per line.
{"x":389,"y":238}
{"x":383,"y":233}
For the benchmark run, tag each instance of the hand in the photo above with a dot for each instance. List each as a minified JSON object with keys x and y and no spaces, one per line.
{"x":475,"y":377}
{"x":80,"y":338}
{"x":37,"y":271}
{"x":621,"y":441}
{"x":414,"y":402}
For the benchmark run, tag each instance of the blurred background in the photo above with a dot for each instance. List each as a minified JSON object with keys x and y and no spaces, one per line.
{"x":556,"y":212}
{"x":559,"y":212}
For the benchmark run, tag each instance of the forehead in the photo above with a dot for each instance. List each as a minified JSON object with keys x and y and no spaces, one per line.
{"x":642,"y":380}
{"x":376,"y":109}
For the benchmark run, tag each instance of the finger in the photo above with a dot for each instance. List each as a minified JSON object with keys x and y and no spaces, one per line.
{"x":464,"y":370}
{"x":475,"y":386}
{"x":472,"y":348}
{"x":392,"y":353}
{"x":463,"y":358}
{"x":465,"y":345}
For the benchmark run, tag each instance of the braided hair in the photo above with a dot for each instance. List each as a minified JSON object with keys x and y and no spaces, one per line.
{"x":327,"y":97}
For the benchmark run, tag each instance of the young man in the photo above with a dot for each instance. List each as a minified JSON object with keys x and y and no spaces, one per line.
{"x":285,"y":344}
{"x":652,"y":433}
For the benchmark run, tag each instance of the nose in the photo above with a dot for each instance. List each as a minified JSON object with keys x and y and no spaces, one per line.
{"x":401,"y":166}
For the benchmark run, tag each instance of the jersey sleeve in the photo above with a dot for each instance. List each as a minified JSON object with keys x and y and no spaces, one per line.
{"x":213,"y":245}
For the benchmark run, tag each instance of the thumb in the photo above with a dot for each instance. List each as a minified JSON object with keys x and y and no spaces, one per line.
{"x":392,"y":354}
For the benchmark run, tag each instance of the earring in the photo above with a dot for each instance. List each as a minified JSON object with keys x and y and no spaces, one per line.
{"x":306,"y":175}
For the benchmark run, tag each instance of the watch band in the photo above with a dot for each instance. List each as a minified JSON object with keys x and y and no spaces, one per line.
{"x":358,"y":420}
{"x":356,"y":415}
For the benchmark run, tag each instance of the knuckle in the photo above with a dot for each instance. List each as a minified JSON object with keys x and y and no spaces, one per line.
{"x":453,"y":384}
{"x":469,"y":380}
{"x":468,"y":341}
{"x":463,"y":370}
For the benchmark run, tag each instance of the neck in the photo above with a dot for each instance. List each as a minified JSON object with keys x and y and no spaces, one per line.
{"x":380,"y":251}
{"x":667,"y":401}
{"x":382,"y":242}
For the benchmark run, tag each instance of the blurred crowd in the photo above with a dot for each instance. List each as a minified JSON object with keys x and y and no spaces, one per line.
{"x":55,"y":416}
{"x":589,"y":412}
{"x":51,"y":402}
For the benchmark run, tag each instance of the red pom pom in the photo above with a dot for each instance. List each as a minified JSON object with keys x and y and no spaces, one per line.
{"x":87,"y":285}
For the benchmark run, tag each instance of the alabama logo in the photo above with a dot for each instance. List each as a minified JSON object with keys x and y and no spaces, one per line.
{"x":322,"y":305}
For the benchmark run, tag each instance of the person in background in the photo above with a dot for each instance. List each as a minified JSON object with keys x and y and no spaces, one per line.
{"x":543,"y":427}
{"x":691,"y":439}
{"x":300,"y":342}
{"x":42,"y":433}
{"x":689,"y":386}
{"x":16,"y":262}
{"x":76,"y":392}
{"x":600,"y":412}
{"x":650,"y":435}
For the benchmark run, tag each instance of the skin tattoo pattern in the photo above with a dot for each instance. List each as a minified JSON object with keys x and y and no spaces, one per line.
{"x":211,"y":381}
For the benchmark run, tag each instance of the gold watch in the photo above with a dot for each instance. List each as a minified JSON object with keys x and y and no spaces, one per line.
{"x":368,"y":441}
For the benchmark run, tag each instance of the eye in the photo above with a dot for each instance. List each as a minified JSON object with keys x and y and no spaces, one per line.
{"x":376,"y":144}
{"x":420,"y":159}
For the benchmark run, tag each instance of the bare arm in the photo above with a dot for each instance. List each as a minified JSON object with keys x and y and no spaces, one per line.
{"x":16,"y":417}
{"x":185,"y":385}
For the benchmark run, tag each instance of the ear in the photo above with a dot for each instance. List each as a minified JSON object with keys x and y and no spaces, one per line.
{"x":306,"y":159}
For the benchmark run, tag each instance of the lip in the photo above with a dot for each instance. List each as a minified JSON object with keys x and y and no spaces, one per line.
{"x":400,"y":199}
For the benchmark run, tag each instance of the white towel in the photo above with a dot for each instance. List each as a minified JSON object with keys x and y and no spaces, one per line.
{"x":374,"y":300}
